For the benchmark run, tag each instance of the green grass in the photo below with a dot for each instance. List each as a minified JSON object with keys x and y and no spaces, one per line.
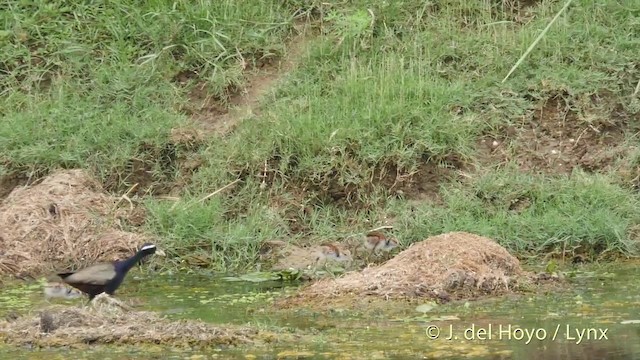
{"x":86,"y":85}
{"x":409,"y":88}
{"x":535,"y":214}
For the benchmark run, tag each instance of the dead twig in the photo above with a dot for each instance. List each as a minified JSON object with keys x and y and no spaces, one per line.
{"x":125,"y":196}
{"x":219,"y":190}
{"x":208,"y":196}
{"x":535,"y":42}
{"x":384,"y":227}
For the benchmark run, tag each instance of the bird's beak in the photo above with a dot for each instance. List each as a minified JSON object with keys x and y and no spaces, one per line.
{"x":160,"y":252}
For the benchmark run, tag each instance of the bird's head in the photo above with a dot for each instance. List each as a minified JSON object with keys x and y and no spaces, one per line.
{"x":149,"y":249}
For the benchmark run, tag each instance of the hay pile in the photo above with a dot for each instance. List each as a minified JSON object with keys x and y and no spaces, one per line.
{"x":455,"y":265}
{"x":69,"y":326}
{"x":66,"y":219}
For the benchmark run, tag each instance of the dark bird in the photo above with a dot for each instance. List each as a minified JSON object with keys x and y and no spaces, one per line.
{"x":107,"y":277}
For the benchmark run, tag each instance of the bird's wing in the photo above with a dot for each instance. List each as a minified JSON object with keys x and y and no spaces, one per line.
{"x":98,"y":274}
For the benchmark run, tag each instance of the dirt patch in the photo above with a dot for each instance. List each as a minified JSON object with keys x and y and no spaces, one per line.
{"x":297,"y":200}
{"x":313,"y":188}
{"x":450,"y":266}
{"x":59,"y":326}
{"x":221,"y":116}
{"x":425,"y":182}
{"x":65,"y":220}
{"x":10,"y":181}
{"x":279,"y":255}
{"x":557,"y":138}
{"x":159,"y":169}
{"x":518,"y":11}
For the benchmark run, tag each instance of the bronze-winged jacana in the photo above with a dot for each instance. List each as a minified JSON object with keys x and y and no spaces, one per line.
{"x":375,"y":241}
{"x":329,"y":251}
{"x":60,"y":290}
{"x":106,"y":277}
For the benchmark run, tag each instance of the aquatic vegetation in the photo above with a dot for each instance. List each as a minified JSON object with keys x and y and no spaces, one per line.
{"x":388,"y":328}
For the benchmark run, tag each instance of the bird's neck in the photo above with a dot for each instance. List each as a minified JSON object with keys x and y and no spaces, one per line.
{"x":127,"y":264}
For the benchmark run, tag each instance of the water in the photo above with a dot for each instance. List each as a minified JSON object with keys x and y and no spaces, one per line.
{"x":545,"y":326}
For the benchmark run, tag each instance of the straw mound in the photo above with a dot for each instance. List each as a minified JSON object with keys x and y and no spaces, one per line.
{"x":455,"y":266}
{"x":66,"y":219}
{"x":68,"y":326}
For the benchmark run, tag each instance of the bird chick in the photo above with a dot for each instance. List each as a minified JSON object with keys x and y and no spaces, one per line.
{"x":332,"y":252}
{"x":47,"y":323}
{"x":60,"y":290}
{"x":271,"y":247}
{"x":377,"y":241}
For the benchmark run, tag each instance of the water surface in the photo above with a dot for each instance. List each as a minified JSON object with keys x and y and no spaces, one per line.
{"x":597,"y":318}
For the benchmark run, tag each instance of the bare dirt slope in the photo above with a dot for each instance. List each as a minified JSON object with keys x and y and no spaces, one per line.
{"x":214,"y":117}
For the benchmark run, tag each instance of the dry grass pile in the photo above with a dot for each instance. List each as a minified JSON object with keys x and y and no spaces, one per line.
{"x":65,"y":219}
{"x":455,"y":265}
{"x":111,"y":324}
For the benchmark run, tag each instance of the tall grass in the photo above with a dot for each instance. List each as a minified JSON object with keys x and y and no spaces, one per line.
{"x":414,"y":84}
{"x":86,"y":84}
{"x":388,"y":88}
{"x":534,"y":214}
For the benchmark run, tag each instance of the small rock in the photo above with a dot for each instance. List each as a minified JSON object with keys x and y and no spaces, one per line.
{"x":554,"y":152}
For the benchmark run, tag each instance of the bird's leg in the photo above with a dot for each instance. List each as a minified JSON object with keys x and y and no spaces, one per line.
{"x":316,"y":265}
{"x":91,"y":300}
{"x":86,"y":303}
{"x":371,"y":253}
{"x":386,"y":256}
{"x":364,"y":254}
{"x":356,"y":254}
{"x":323,"y":265}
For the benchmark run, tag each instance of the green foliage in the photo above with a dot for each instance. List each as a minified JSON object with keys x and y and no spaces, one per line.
{"x":87,"y":84}
{"x":197,"y":227}
{"x":389,"y":88}
{"x":533,"y":213}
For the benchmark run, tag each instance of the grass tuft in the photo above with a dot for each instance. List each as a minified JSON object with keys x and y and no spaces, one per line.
{"x":533,"y":214}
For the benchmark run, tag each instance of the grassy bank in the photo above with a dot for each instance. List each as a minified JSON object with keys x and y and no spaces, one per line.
{"x":396,"y":114}
{"x":98,"y":85}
